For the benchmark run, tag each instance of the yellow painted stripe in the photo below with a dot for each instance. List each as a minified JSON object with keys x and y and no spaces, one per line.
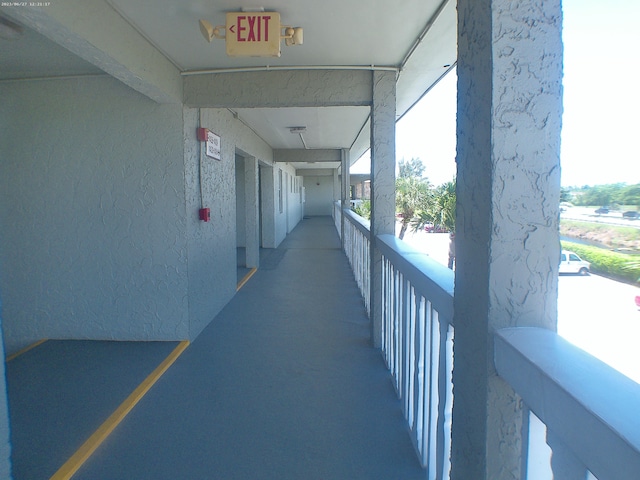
{"x":86,"y":450}
{"x":246,"y":278}
{"x":25,"y":350}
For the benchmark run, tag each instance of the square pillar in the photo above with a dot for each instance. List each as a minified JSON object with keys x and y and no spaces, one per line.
{"x":345,"y":194}
{"x":383,"y":188}
{"x":507,"y":217}
{"x":252,"y":220}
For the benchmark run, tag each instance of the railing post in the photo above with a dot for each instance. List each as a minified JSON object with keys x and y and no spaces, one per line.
{"x":564,"y":464}
{"x":383,"y":163}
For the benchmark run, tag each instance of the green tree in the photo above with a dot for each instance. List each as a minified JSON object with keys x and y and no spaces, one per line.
{"x":440,"y":210}
{"x":611,"y":194}
{"x":629,"y":195}
{"x":412,"y":194}
{"x":363,"y":209}
{"x":411,"y":168}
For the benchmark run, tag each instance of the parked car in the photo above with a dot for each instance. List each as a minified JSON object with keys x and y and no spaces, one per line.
{"x":572,"y":263}
{"x":431,"y":228}
{"x":631,"y":215}
{"x":602,"y":211}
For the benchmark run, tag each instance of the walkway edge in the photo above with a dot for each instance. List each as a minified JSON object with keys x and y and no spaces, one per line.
{"x":72,"y":465}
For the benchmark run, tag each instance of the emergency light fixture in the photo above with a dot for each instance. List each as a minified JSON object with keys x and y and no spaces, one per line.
{"x":252,"y":34}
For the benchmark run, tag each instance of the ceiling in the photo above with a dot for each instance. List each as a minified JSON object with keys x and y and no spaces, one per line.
{"x":418,"y":37}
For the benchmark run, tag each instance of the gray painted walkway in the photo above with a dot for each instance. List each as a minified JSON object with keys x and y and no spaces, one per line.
{"x":283,"y":384}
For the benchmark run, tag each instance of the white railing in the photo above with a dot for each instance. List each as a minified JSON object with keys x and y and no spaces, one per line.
{"x":337,"y":216}
{"x":417,"y":336}
{"x":417,"y":339}
{"x":590,"y":410}
{"x":357,"y":249}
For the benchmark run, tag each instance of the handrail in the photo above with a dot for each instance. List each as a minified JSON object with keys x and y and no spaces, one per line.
{"x":416,"y":332}
{"x":586,"y":405}
{"x":589,"y":409}
{"x":357,"y":244}
{"x":360,"y":223}
{"x":428,"y":277}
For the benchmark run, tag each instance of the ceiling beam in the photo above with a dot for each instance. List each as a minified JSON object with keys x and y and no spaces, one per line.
{"x":95,"y":32}
{"x":315,"y":172}
{"x":281,"y":88}
{"x":299,"y":155}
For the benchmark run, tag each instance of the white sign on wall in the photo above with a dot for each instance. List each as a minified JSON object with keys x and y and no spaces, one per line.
{"x":213,"y":145}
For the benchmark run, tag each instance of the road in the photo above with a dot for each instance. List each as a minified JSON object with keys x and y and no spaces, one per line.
{"x":594,"y":313}
{"x":600,"y":316}
{"x":587,"y":214}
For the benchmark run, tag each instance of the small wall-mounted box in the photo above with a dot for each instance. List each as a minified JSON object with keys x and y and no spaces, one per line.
{"x":202,"y":134}
{"x":205,"y":214}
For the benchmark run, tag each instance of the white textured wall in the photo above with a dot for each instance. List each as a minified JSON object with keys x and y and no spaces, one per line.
{"x":99,"y":198}
{"x":319,"y":198}
{"x":240,"y":203}
{"x":265,"y":89}
{"x":294,"y":201}
{"x":212,"y":245}
{"x":92,"y":213}
{"x":284,"y":221}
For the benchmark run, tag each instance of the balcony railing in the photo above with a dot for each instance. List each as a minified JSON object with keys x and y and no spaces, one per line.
{"x":417,"y":339}
{"x":417,"y":334}
{"x":589,"y":409}
{"x":356,"y":246}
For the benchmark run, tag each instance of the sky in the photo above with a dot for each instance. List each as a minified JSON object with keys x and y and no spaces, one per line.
{"x":600,"y":139}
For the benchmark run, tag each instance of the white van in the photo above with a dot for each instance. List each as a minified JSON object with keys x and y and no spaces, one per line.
{"x":572,"y":263}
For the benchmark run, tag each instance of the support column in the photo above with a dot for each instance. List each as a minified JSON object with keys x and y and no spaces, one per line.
{"x":383,"y":191}
{"x":252,"y":220}
{"x":345,"y":194}
{"x":508,"y":192}
{"x":268,"y":192}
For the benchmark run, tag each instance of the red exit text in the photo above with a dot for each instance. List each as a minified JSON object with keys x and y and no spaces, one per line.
{"x":252,"y":28}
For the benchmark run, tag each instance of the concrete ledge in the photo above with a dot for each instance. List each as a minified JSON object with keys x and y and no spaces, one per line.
{"x":588,"y":405}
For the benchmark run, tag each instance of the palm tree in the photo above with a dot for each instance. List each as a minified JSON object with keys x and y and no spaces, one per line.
{"x":440,"y":210}
{"x":412,"y":193}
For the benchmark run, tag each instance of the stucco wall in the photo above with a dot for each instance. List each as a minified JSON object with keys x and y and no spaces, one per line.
{"x":295,"y":201}
{"x":241,"y":240}
{"x":99,"y":228}
{"x":286,"y":219}
{"x":212,"y":245}
{"x":319,"y":195}
{"x":92,"y":213}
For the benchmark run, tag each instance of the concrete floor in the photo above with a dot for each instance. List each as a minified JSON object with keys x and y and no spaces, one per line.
{"x":283,"y":384}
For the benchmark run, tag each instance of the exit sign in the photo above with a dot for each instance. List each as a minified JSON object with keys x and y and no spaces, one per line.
{"x":253,"y":34}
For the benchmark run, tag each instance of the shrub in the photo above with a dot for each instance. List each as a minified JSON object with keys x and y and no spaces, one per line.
{"x":611,"y":264}
{"x":363,"y":209}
